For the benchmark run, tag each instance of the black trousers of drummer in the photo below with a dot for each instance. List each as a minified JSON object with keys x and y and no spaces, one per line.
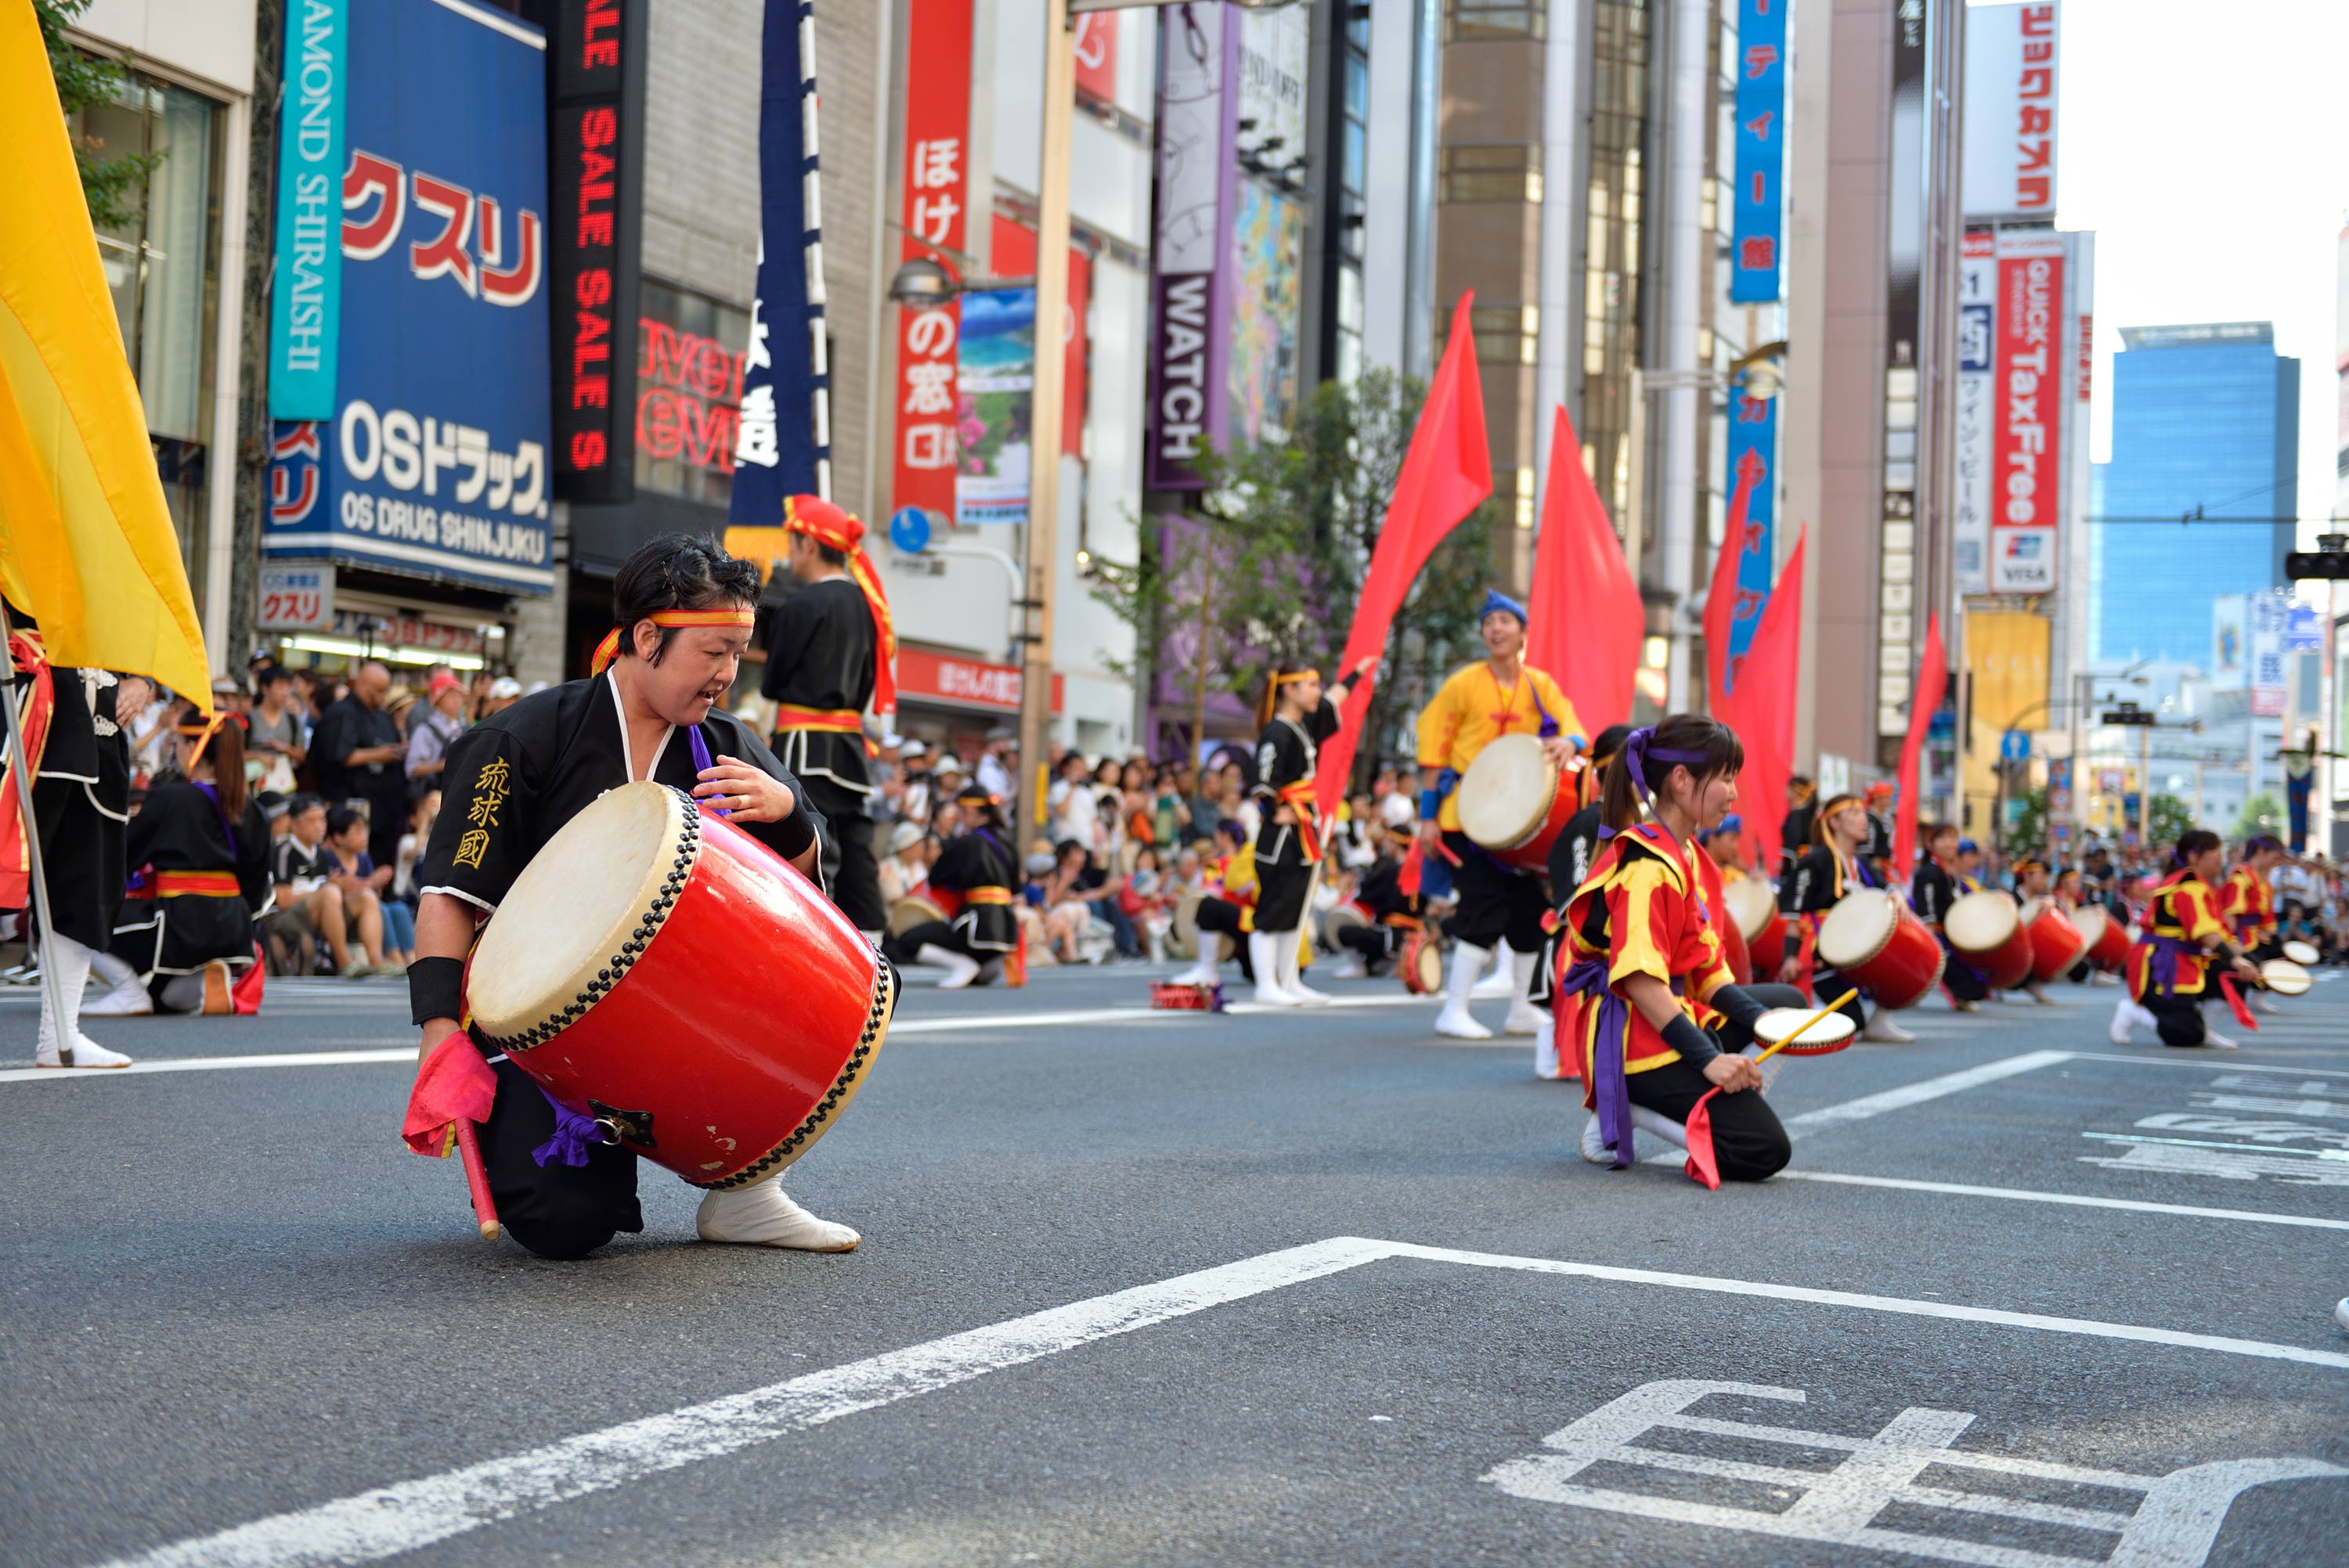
{"x":1283,"y":878}
{"x":852,"y":875}
{"x":1376,"y":942}
{"x":557,"y":1211}
{"x":1749,"y":1142}
{"x":1961,"y":979}
{"x":1221,"y":917}
{"x":1497,"y":904}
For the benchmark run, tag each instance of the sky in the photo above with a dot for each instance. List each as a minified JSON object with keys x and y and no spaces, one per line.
{"x":2206,"y":142}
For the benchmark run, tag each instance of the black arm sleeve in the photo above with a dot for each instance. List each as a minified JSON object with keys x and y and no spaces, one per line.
{"x":1695,"y":1047}
{"x":253,"y":857}
{"x":1735,"y":1003}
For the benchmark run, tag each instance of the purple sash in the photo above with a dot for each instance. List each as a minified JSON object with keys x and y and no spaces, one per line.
{"x":2162,"y":972}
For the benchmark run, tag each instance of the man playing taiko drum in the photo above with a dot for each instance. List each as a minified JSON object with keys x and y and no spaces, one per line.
{"x":683,"y":608}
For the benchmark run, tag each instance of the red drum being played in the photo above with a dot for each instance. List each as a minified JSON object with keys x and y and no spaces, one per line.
{"x":1513,"y":801}
{"x":1754,"y":910}
{"x":1987,"y":931}
{"x":2057,"y":944}
{"x":2107,"y":939}
{"x":663,"y":972}
{"x":1878,"y":943}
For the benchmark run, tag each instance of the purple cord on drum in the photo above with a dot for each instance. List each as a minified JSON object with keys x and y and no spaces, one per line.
{"x":574,"y":1134}
{"x":701,"y":765}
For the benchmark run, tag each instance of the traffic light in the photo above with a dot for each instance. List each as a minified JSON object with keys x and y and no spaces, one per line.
{"x":2329,"y":565}
{"x":2128,"y":712}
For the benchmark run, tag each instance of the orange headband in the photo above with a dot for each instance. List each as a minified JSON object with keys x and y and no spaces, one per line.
{"x":1297,"y":675}
{"x":609,"y":649}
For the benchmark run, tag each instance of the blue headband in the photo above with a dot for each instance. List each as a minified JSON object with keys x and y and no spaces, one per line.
{"x":1968,"y":847}
{"x":1496,"y":600}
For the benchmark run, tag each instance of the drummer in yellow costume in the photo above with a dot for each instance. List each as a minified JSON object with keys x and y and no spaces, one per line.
{"x":1500,"y":696}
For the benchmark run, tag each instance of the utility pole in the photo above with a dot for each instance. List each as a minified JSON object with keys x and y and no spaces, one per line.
{"x":1045,"y":417}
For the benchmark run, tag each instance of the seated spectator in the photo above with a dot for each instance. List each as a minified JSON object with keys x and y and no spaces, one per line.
{"x":363,"y":885}
{"x":1080,"y":909}
{"x":907,"y":864}
{"x":309,"y":903}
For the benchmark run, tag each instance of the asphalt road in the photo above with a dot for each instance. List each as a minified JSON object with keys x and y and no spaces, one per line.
{"x":1165,"y":1288}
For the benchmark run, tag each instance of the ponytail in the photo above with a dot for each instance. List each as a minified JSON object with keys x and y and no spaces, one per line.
{"x":1706,"y":747}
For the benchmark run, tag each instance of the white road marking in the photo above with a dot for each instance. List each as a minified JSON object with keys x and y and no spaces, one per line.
{"x":2174,"y":1526}
{"x":2025,"y":1195}
{"x":2187,"y":1159}
{"x":407,"y":1515}
{"x":2200,"y":1063}
{"x":206,"y":1064}
{"x":1917,"y":1093}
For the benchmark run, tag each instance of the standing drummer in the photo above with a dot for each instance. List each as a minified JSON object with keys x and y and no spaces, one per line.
{"x":683,"y":609}
{"x":1500,"y":696}
{"x":828,"y":652}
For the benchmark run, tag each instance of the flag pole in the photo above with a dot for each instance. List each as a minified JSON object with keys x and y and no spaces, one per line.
{"x":20,"y":766}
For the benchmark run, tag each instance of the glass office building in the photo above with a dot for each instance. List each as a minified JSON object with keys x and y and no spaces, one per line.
{"x":2205,"y":425}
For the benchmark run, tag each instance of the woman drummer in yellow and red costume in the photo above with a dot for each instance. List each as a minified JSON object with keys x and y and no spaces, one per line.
{"x":1478,"y":705}
{"x":683,"y":609}
{"x":2172,"y":968}
{"x":1644,"y":995}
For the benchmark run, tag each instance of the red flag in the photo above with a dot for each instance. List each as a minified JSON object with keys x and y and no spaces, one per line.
{"x":1762,"y":710}
{"x":1446,"y":474}
{"x":1720,"y":597}
{"x":1583,"y":586}
{"x":1932,"y":680}
{"x":1701,"y":1165}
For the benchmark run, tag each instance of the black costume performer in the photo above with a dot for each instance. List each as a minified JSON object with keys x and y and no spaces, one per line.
{"x":1285,"y":854}
{"x":975,"y":868}
{"x":513,"y":782}
{"x":1394,"y":914}
{"x":1934,"y":889}
{"x":204,"y":877}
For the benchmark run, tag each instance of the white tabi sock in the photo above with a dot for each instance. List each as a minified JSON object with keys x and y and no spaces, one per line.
{"x":1545,"y":1050}
{"x":762,"y":1215}
{"x":1498,"y":981}
{"x":1662,"y":1126}
{"x":71,"y":963}
{"x":1291,"y":980}
{"x":1523,"y":1019}
{"x":961,"y":969}
{"x":1264,"y":957}
{"x":1467,"y":963}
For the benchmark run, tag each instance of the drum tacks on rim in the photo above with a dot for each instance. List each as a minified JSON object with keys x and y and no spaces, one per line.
{"x":614,"y":974}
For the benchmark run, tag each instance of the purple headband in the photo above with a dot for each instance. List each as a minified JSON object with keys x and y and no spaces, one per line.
{"x":1637,"y":750}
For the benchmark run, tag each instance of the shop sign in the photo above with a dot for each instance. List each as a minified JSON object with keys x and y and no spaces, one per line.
{"x":434,"y":462}
{"x":295,"y":598}
{"x":305,"y":317}
{"x":1756,"y":214}
{"x":2010,"y":108}
{"x":595,"y":132}
{"x":931,"y":408}
{"x":2028,"y":471}
{"x":410,"y":632}
{"x":689,"y":397}
{"x":926,"y":676}
{"x":1198,"y":102}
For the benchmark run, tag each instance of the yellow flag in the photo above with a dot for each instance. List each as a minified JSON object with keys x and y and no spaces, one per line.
{"x":87,"y":546}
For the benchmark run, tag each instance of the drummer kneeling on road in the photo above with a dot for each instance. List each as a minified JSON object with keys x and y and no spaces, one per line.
{"x":1645,"y":972}
{"x":684,"y":611}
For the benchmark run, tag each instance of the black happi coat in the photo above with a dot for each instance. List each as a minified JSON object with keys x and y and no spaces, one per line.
{"x":1286,"y":752}
{"x":552,"y":755}
{"x":819,"y":654}
{"x":975,"y":860}
{"x":182,"y":828}
{"x":81,"y":800}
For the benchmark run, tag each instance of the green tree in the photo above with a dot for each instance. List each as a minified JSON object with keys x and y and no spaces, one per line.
{"x":2026,"y":831}
{"x":1269,"y":563}
{"x":2169,"y":819}
{"x":112,"y":187}
{"x":2263,"y":814}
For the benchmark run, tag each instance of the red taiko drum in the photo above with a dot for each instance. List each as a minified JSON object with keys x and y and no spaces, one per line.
{"x":1987,"y":931}
{"x":1513,"y":801}
{"x":1421,"y":965}
{"x":2057,"y":944}
{"x":1878,"y":943}
{"x":2107,"y":939}
{"x":662,"y":971}
{"x":1754,"y":910}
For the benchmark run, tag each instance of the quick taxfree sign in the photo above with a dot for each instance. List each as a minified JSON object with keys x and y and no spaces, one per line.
{"x":2027,"y":476}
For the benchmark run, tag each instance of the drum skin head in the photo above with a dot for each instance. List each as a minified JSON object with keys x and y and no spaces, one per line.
{"x":573,"y":905}
{"x":1982,"y":921}
{"x":1751,"y":904}
{"x":2302,"y":953}
{"x":1832,"y":1033}
{"x":1856,"y":928}
{"x":2092,"y":919}
{"x":1505,"y":795}
{"x":2285,"y":977}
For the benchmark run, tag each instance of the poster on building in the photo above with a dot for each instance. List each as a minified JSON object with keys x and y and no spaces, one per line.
{"x":2269,"y":671}
{"x":2010,"y":120}
{"x":1268,"y":266}
{"x":783,"y":444}
{"x":434,"y":460}
{"x":934,"y":203}
{"x":1191,"y":281}
{"x":1753,"y":463}
{"x":2028,"y":476}
{"x":1096,"y":55}
{"x":997,"y":367}
{"x":1275,"y":50}
{"x":1973,"y":454}
{"x":1757,"y":226}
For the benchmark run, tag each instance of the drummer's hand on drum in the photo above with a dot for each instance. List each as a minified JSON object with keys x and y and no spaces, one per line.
{"x":748,"y":794}
{"x":1790,"y":971}
{"x":1560,"y":749}
{"x":1733,"y":1074}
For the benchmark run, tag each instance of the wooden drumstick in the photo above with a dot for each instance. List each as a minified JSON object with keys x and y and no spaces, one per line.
{"x":476,"y":1178}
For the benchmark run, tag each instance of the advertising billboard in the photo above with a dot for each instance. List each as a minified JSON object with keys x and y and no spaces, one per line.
{"x":435,"y":461}
{"x":595,"y":96}
{"x":2010,"y":135}
{"x":1756,"y":214}
{"x":1976,"y":410}
{"x":935,"y":202}
{"x":1191,"y":283}
{"x":2028,"y":480}
{"x":306,"y":313}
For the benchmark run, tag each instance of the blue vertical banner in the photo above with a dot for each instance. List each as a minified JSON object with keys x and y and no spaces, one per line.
{"x":305,"y":313}
{"x":1754,"y":470}
{"x":1757,"y":219}
{"x":785,"y":445}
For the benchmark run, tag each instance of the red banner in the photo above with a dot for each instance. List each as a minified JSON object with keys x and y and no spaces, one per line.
{"x":1096,"y":46}
{"x":926,"y":676}
{"x":936,"y":213}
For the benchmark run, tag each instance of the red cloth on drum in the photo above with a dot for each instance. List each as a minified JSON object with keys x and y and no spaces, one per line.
{"x":454,"y":1082}
{"x":1642,"y":909}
